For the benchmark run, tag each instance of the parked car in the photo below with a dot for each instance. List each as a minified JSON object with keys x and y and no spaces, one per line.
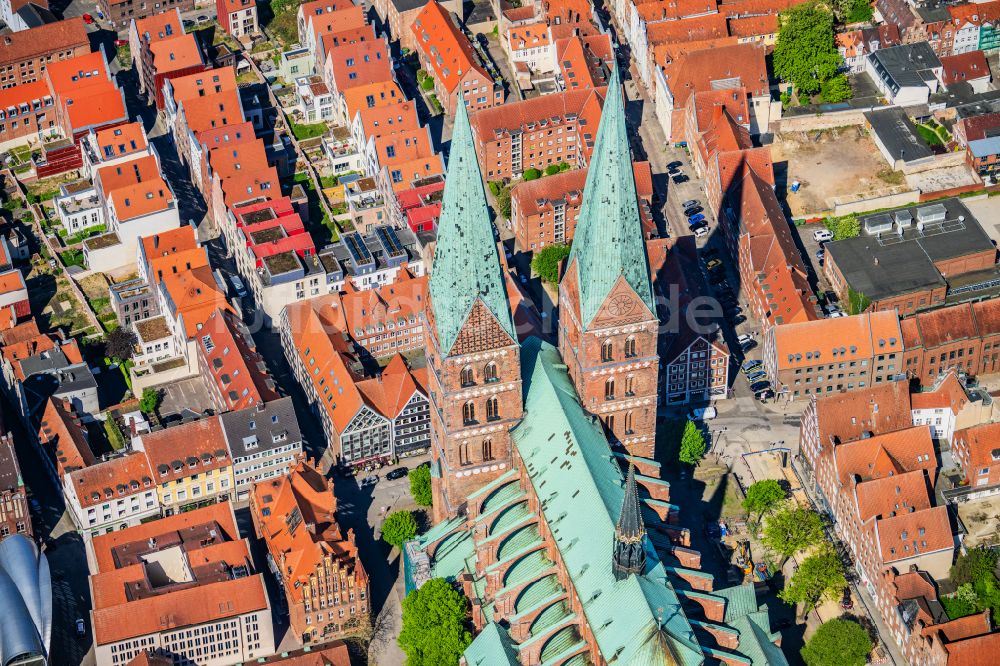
{"x":697,"y":217}
{"x":747,"y":346}
{"x":693,"y":210}
{"x":369,"y":480}
{"x":757,"y":387}
{"x":756,"y":376}
{"x":701,"y":231}
{"x":714,"y":264}
{"x":88,"y":19}
{"x":748,"y":366}
{"x":397,"y":473}
{"x":702,"y":413}
{"x":744,"y":337}
{"x":81,"y":627}
{"x":764,"y":395}
{"x":675,"y":164}
{"x":690,"y":203}
{"x":847,"y":603}
{"x":238,"y":287}
{"x":202,"y":18}
{"x":679,"y":178}
{"x":738,"y":319}
{"x":822,"y":235}
{"x":820,"y":253}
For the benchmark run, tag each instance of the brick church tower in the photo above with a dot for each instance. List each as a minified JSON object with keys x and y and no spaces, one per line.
{"x":607,"y":316}
{"x":473,"y":356}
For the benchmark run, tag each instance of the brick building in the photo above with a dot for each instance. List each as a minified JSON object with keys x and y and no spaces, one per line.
{"x":472,"y":347}
{"x":237,"y":17}
{"x":608,"y":330}
{"x":566,"y":560}
{"x":977,"y":451}
{"x":325,"y":584}
{"x":120,"y":13}
{"x":163,"y":50}
{"x":538,"y":132}
{"x":905,"y":260}
{"x":544,"y":211}
{"x":399,"y":16}
{"x":24,"y":55}
{"x":963,"y":337}
{"x":27,"y":112}
{"x":14,"y":515}
{"x":446,"y":54}
{"x":836,"y":354}
{"x":192,"y":568}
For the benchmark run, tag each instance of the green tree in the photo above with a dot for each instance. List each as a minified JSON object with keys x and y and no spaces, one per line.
{"x":503,"y":201}
{"x":847,"y":226}
{"x":792,"y":529}
{"x":546,"y":262}
{"x":838,"y":643}
{"x":427,"y":84}
{"x":974,"y":566}
{"x":531,"y":174}
{"x":763,"y":496}
{"x":836,"y":89}
{"x":857,"y":302}
{"x":692,"y":444}
{"x":551,"y":169}
{"x":398,"y":528}
{"x":820,"y":576}
{"x":149,"y":401}
{"x":434,"y":625}
{"x":805,"y":53}
{"x":420,"y":485}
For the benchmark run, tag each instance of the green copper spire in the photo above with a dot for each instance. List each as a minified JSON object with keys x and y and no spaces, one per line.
{"x":608,"y":241}
{"x":466,"y":263}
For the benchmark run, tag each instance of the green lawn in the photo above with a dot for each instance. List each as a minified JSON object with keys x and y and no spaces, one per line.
{"x":929,"y":135}
{"x":303,"y":132}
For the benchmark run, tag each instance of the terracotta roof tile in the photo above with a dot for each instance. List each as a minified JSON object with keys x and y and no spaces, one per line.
{"x":125,"y":174}
{"x":203,"y":84}
{"x":62,"y":35}
{"x":694,"y":29}
{"x":233,"y":363}
{"x":909,"y":535}
{"x":145,"y":198}
{"x":487,"y":123}
{"x":121,"y":140}
{"x":964,"y":67}
{"x":61,"y":434}
{"x":117,"y":477}
{"x":444,"y":46}
{"x":946,"y":394}
{"x":367,"y":62}
{"x":215,"y":110}
{"x":326,"y":17}
{"x":939,"y":327}
{"x":696,"y":71}
{"x":978,"y":651}
{"x":893,"y":495}
{"x":382,"y":93}
{"x":190,"y":448}
{"x":888,"y":454}
{"x":982,"y":442}
{"x":181,"y":52}
{"x":857,"y":337}
{"x":194,"y":295}
{"x":584,"y":61}
{"x":845,"y":417}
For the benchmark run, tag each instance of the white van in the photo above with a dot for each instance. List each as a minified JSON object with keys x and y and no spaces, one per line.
{"x":703,"y":414}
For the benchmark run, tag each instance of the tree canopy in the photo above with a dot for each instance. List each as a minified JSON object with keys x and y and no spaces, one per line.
{"x":820,"y":576}
{"x":420,"y":485}
{"x":976,"y":565}
{"x":119,"y":344}
{"x":546,"y":262}
{"x":805,"y":53}
{"x":838,"y":643}
{"x":763,"y":496}
{"x":836,"y":89}
{"x":398,"y":528}
{"x":434,"y":630}
{"x":792,"y":529}
{"x":149,"y":401}
{"x":692,"y":444}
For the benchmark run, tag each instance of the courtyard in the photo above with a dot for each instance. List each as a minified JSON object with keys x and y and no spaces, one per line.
{"x":836,"y":165}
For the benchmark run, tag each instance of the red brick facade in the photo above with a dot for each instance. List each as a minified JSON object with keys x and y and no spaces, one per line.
{"x":475,"y":394}
{"x":613,"y":363}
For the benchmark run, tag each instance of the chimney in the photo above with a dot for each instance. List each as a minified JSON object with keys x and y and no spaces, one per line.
{"x":156,"y":241}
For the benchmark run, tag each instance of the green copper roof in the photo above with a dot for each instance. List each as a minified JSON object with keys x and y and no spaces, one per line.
{"x":608,"y":242}
{"x":492,"y":647}
{"x":466,"y":264}
{"x":575,"y":474}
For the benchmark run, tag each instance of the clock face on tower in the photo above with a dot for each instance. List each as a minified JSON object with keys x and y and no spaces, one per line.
{"x":621,"y":306}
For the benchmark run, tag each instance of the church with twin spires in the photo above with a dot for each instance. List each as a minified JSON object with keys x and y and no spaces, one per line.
{"x":550,"y":512}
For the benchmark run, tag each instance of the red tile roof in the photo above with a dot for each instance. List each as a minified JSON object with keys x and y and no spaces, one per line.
{"x":401,"y":299}
{"x":946,"y":394}
{"x":366,"y":62}
{"x":65,"y":35}
{"x":233,"y":363}
{"x":845,"y":417}
{"x":445,"y":46}
{"x":122,"y":140}
{"x":888,"y":454}
{"x":118,"y":477}
{"x":912,"y":534}
{"x":326,"y":17}
{"x":976,"y":127}
{"x":699,"y":28}
{"x":195,"y":447}
{"x":145,"y":198}
{"x":305,"y":491}
{"x":968,"y":66}
{"x":696,"y":71}
{"x":194,"y":295}
{"x":584,"y":61}
{"x":390,"y":392}
{"x":893,"y":495}
{"x":487,"y":124}
{"x":124,"y":174}
{"x":171,"y":55}
{"x":203,"y":84}
{"x":982,"y":442}
{"x":215,"y":110}
{"x":852,"y":338}
{"x":61,"y":434}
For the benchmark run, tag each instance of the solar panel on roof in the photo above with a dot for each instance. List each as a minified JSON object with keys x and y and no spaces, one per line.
{"x":390,"y":241}
{"x":358,"y":251}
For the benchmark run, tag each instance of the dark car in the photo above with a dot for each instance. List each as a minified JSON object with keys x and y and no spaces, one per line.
{"x":747,"y":346}
{"x":675,"y":164}
{"x":679,"y":178}
{"x":700,"y":224}
{"x":693,"y":210}
{"x":397,"y":473}
{"x":370,"y":480}
{"x":757,"y":387}
{"x":756,"y":376}
{"x":738,"y":319}
{"x":847,"y":603}
{"x":764,"y":395}
{"x":750,"y":365}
